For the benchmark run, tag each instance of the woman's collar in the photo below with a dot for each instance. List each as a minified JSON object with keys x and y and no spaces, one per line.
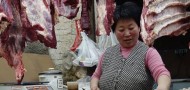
{"x":127,"y":49}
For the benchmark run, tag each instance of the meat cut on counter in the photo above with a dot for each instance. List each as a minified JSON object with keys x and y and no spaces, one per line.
{"x":164,"y":17}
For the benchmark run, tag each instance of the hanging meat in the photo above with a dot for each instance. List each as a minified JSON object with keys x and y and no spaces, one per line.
{"x":164,"y":17}
{"x":38,"y":22}
{"x":67,"y":8}
{"x":78,"y":38}
{"x":25,"y":23}
{"x":85,"y":18}
{"x":105,"y":10}
{"x":12,"y":41}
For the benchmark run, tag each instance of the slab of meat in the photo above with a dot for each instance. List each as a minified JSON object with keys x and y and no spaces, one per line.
{"x":164,"y":17}
{"x":78,"y":38}
{"x":25,"y":23}
{"x":105,"y":10}
{"x":38,"y":22}
{"x":101,"y":15}
{"x":110,"y":6}
{"x":12,"y":42}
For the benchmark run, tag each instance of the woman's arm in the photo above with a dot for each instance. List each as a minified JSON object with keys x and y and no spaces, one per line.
{"x":164,"y":82}
{"x":94,"y":83}
{"x":96,"y":75}
{"x":158,"y":70}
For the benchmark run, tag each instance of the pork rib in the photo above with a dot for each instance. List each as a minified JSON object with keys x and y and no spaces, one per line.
{"x":158,"y":5}
{"x":164,"y":17}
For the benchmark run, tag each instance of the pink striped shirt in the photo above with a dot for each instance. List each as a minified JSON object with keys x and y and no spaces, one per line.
{"x":153,"y":62}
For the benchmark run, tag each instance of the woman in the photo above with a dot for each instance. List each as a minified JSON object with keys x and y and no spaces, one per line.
{"x":130,"y":65}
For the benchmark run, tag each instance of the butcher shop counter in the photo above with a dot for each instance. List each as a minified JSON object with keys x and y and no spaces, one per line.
{"x":25,"y":86}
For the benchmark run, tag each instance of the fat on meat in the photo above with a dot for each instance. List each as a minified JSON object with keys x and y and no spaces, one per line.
{"x":101,"y":14}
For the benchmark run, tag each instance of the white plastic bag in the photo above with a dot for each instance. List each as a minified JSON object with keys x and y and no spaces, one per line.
{"x":114,"y":40}
{"x":88,"y":52}
{"x":105,"y":41}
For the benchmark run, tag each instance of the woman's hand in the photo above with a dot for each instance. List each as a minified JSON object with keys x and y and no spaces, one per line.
{"x":94,"y":84}
{"x":164,"y":82}
{"x":94,"y":88}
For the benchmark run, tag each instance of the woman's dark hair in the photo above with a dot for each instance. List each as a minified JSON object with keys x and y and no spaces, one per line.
{"x":125,"y":11}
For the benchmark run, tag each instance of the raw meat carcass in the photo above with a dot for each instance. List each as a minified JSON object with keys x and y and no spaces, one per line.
{"x":164,"y":17}
{"x":12,"y":41}
{"x":105,"y":10}
{"x":26,"y":23}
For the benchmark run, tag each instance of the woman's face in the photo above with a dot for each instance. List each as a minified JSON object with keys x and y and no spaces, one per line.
{"x":127,"y":32}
